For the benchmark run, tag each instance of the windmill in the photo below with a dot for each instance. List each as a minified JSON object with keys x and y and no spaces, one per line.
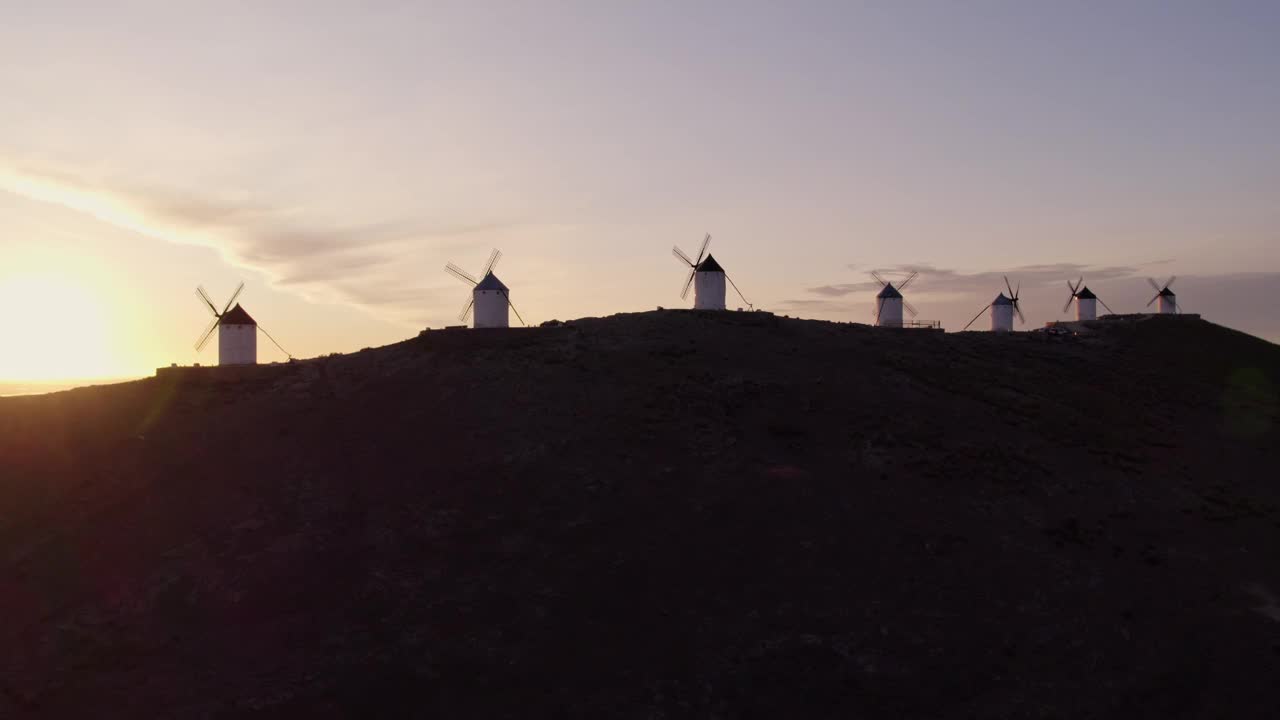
{"x":1168,"y":300}
{"x":489,"y":297}
{"x":1086,"y":301}
{"x":707,"y":279}
{"x":889,"y":301}
{"x":1003,"y":308}
{"x":237,"y":331}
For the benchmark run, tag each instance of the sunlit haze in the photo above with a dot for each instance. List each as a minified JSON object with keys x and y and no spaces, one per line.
{"x":335,"y":156}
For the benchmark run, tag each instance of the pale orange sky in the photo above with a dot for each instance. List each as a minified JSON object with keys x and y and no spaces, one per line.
{"x":335,"y":157}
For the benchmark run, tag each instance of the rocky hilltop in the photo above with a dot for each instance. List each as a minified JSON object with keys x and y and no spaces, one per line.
{"x":658,"y":515}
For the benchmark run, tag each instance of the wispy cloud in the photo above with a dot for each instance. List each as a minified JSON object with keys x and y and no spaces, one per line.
{"x":946,"y":280}
{"x":359,"y":264}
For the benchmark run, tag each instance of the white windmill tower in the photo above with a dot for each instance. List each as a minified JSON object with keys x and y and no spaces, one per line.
{"x":1168,"y":300}
{"x":1003,"y":308}
{"x":890,"y":303}
{"x":490,"y":299}
{"x":1086,"y":301}
{"x":707,"y":279}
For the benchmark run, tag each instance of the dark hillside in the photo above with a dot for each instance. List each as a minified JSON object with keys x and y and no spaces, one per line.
{"x":659,"y":515}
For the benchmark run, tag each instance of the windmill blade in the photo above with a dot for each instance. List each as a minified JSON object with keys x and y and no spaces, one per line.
{"x":1017,"y":310}
{"x":1074,"y":288}
{"x":688,"y":284}
{"x":1154,"y":286}
{"x":493,"y":262}
{"x":1113,"y":312}
{"x":1069,"y":299}
{"x":903,"y":285}
{"x":461,"y":274}
{"x":1012,"y":294}
{"x":879,"y":279}
{"x":975,"y":318}
{"x":234,"y":295}
{"x":909,"y":308}
{"x":1153,"y":299}
{"x":207,"y":300}
{"x":879,"y":307}
{"x":466,"y":309}
{"x":1169,"y":282}
{"x":702,"y":251}
{"x":1177,"y":308}
{"x":208,"y":333}
{"x":514,"y":310}
{"x":681,"y":256}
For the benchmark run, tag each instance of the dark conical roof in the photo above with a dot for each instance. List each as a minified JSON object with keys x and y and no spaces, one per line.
{"x":889,"y":291}
{"x":710,"y":265}
{"x":237,"y":316}
{"x":491,"y":282}
{"x":1001,"y":300}
{"x":1166,"y":292}
{"x":1085,"y":294}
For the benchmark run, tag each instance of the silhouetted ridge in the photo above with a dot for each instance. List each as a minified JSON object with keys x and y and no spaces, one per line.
{"x":664,"y":514}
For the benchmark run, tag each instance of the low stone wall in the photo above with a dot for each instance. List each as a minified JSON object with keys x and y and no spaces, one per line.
{"x":224,"y":373}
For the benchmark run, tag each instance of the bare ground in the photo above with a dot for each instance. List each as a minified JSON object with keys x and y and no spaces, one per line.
{"x":658,"y":515}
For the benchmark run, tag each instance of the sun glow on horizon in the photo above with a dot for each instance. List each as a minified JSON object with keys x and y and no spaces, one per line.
{"x":54,"y":329}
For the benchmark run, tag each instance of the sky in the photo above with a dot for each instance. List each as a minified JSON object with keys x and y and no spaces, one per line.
{"x":334,"y":156}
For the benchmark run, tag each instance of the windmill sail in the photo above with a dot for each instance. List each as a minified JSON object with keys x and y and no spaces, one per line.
{"x":693,"y":265}
{"x":217,"y":316}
